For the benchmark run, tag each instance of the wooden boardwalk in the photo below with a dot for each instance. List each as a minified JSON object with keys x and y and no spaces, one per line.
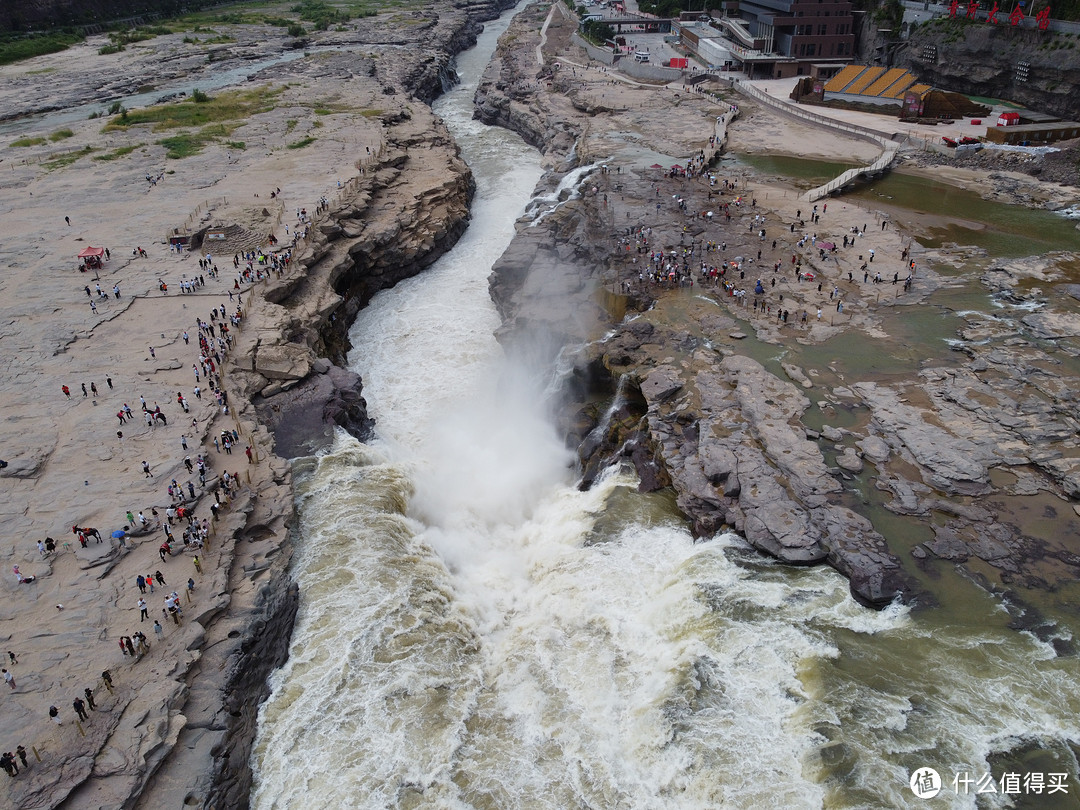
{"x":884,"y":161}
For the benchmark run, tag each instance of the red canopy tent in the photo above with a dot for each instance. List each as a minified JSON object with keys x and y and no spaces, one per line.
{"x":92,"y":256}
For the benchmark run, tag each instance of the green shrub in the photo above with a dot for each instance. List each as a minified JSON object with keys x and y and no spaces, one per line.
{"x":199,"y":97}
{"x":28,"y":142}
{"x":296,"y":30}
{"x":60,"y":135}
{"x":301,"y":143}
{"x":14,"y":49}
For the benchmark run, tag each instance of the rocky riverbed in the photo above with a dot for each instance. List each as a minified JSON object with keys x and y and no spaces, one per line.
{"x":965,"y":446}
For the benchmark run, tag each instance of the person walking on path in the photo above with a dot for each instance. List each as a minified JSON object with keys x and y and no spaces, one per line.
{"x":198,"y":565}
{"x":143,"y":616}
{"x":160,"y":579}
{"x":9,"y":678}
{"x":146,"y":470}
{"x":12,"y":657}
{"x":54,"y":713}
{"x":90,"y":698}
{"x":141,"y":582}
{"x":80,"y":709}
{"x":21,"y":752}
{"x":106,"y":676}
{"x":159,"y":631}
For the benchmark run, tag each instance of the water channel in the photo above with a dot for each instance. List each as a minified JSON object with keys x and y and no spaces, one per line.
{"x":476,"y":633}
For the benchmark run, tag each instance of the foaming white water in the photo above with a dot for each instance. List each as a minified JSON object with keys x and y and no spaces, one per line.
{"x":568,"y":189}
{"x":476,"y":633}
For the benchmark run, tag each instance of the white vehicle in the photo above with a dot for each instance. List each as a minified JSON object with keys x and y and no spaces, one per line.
{"x":641,"y":56}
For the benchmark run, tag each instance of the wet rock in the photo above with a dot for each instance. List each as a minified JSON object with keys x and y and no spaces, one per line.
{"x":874,"y":449}
{"x":303,"y":418}
{"x":797,"y":375}
{"x":951,"y":463}
{"x":832,"y":434}
{"x":661,"y":384}
{"x":849,"y":460}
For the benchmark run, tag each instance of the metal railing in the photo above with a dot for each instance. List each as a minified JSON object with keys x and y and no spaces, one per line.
{"x":884,"y":161}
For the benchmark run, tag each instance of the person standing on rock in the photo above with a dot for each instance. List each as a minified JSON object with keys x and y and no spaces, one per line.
{"x":106,"y":676}
{"x":20,"y":751}
{"x":54,"y":713}
{"x":146,"y":470}
{"x":90,"y":698}
{"x":143,"y":616}
{"x":80,"y":709}
{"x":9,"y":678}
{"x":160,"y":578}
{"x":12,"y":657}
{"x":140,"y":581}
{"x":159,"y":631}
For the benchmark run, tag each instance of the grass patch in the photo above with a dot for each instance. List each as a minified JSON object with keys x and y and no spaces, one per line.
{"x":229,"y":106}
{"x":186,"y":144}
{"x":118,"y":153}
{"x":28,"y":142}
{"x":372,"y":113}
{"x":60,"y":135}
{"x":290,"y":125}
{"x":15,"y":49}
{"x":67,"y":158}
{"x":236,"y":145}
{"x":301,"y":143}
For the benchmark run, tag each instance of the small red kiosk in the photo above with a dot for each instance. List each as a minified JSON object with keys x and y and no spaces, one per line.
{"x":92,"y":258}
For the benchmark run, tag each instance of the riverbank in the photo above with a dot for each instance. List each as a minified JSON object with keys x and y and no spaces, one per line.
{"x":782,"y":458}
{"x":344,"y":153}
